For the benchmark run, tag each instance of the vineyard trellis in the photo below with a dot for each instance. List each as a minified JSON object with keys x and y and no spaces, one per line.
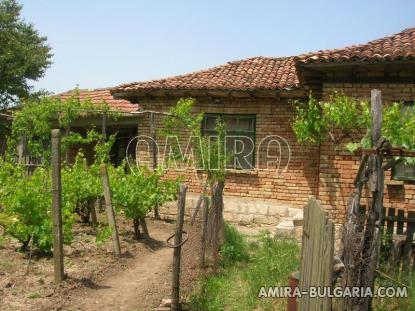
{"x":63,"y":187}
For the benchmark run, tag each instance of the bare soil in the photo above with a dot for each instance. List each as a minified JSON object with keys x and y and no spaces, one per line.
{"x":96,"y":279}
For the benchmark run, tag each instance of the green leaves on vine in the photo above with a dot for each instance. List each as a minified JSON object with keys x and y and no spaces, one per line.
{"x":27,"y":201}
{"x":35,"y":120}
{"x":140,"y":191}
{"x":348,"y":118}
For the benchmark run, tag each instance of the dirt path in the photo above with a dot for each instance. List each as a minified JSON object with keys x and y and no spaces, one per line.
{"x":96,"y":279}
{"x":139,"y":287}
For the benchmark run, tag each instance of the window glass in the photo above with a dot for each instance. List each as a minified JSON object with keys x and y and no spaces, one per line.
{"x":240,"y":141}
{"x":402,"y":170}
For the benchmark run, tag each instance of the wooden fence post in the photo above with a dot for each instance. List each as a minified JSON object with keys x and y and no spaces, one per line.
{"x":217,"y":226}
{"x":104,"y":127}
{"x":198,"y":204}
{"x":376,"y":185}
{"x":361,"y":235}
{"x":59,"y":274}
{"x":175,"y":301}
{"x":154,"y":151}
{"x":110,"y":211}
{"x":317,"y":252}
{"x":204,"y":231}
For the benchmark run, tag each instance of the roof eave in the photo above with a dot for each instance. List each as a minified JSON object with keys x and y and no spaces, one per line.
{"x":321,"y":64}
{"x":269,"y":93}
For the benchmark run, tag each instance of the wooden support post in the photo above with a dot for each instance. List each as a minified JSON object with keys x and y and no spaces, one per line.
{"x":198,"y":204}
{"x":56,"y":207}
{"x":93,"y":211}
{"x":22,"y":149}
{"x":217,"y":222}
{"x":376,"y":116}
{"x":376,"y":184}
{"x":110,"y":210}
{"x":361,"y":239}
{"x":154,"y":137}
{"x":175,"y":302}
{"x":104,"y":127}
{"x":204,"y":231}
{"x":154,"y":151}
{"x":67,"y":154}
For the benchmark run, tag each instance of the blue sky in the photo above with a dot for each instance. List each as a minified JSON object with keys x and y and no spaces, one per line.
{"x":105,"y":43}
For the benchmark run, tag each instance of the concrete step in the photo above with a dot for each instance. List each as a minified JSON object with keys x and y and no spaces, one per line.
{"x":285,"y":228}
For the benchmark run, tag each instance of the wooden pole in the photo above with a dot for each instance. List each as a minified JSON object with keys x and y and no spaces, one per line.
{"x":198,"y":204}
{"x":376,"y":186}
{"x":204,"y":231}
{"x":110,"y":210}
{"x":104,"y":126}
{"x":217,"y":222}
{"x":154,"y":154}
{"x":93,"y":211}
{"x":59,"y":274}
{"x":175,"y":302}
{"x":67,"y":151}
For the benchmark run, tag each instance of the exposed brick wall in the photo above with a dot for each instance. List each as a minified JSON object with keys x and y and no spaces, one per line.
{"x":338,"y":168}
{"x":273,"y":117}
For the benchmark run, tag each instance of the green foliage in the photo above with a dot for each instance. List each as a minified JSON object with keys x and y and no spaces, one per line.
{"x":209,"y":153}
{"x":80,"y":184}
{"x":181,"y":118}
{"x":24,"y":55}
{"x":235,"y":247}
{"x":138,"y":192}
{"x":27,"y":200}
{"x":103,"y":234}
{"x":35,"y":120}
{"x":317,"y":120}
{"x":270,"y":261}
{"x":343,"y":112}
{"x":309,"y":122}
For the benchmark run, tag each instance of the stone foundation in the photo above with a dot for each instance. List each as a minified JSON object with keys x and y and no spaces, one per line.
{"x":239,"y":210}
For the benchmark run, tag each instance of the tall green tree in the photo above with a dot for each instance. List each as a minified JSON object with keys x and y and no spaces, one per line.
{"x":24,"y":54}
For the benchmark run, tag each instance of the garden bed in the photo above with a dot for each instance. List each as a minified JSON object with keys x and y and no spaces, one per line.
{"x":90,"y":268}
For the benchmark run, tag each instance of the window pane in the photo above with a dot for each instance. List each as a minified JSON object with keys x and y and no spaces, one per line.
{"x":240,"y":141}
{"x":404,"y":171}
{"x":210,"y":122}
{"x":246,"y":124}
{"x":231,"y":123}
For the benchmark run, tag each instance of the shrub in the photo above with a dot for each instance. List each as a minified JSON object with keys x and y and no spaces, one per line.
{"x":138,"y":192}
{"x":28,"y":200}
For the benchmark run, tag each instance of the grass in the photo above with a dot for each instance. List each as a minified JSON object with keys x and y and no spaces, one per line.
{"x":34,"y":296}
{"x":390,"y":304}
{"x":246,"y":267}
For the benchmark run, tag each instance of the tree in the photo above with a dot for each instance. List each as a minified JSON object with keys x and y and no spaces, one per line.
{"x":24,"y":54}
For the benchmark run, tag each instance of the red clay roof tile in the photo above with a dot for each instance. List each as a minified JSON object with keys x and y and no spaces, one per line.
{"x":98,"y":96}
{"x":264,"y":73}
{"x":400,"y":46}
{"x":258,"y":73}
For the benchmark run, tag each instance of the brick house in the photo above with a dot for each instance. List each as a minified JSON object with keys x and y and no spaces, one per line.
{"x":253,"y":96}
